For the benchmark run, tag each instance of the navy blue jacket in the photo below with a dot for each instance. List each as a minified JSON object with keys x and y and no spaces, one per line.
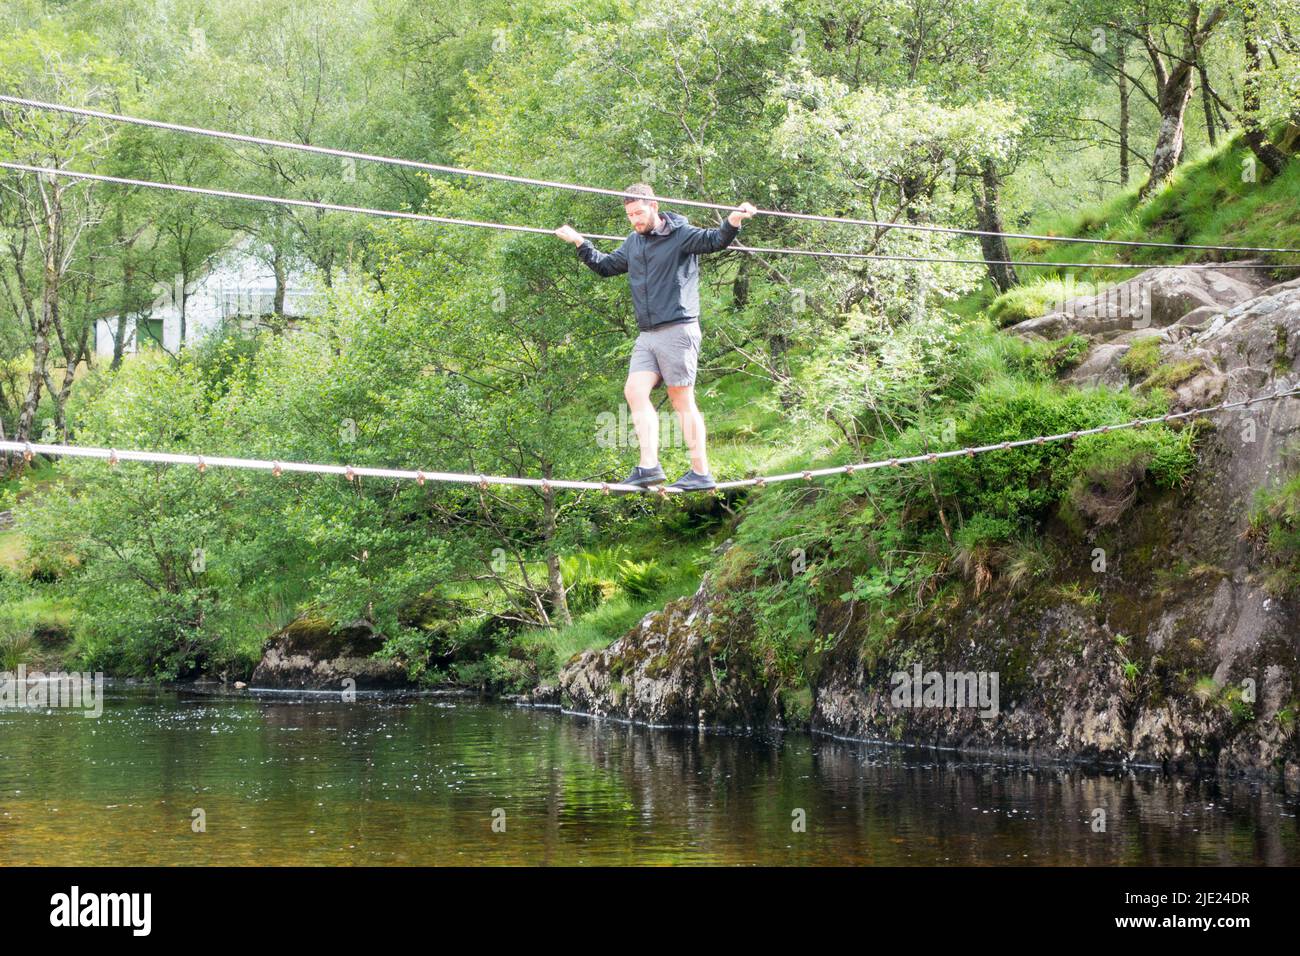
{"x":663,"y":272}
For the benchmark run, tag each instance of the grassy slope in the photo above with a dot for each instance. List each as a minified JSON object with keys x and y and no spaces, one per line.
{"x":1206,"y":203}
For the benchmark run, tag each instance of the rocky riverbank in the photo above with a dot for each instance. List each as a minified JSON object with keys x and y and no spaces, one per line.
{"x":1179,"y":653}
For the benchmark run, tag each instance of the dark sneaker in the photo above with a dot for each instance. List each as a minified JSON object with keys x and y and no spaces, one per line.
{"x":693,"y":481}
{"x":645,"y":477}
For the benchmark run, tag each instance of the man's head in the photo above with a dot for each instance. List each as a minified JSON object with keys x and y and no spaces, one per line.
{"x":642,"y":213}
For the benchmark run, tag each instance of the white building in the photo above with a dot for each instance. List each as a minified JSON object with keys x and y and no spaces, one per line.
{"x":233,"y":285}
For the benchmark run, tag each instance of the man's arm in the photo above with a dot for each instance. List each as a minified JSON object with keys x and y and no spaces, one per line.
{"x":601,"y":263}
{"x":604,"y":263}
{"x":715,"y":240}
{"x":700,"y":240}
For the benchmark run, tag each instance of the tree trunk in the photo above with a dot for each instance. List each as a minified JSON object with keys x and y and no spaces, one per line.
{"x":280,"y":282}
{"x":1169,"y":140}
{"x":740,"y":286}
{"x":1207,"y":105}
{"x":49,"y":315}
{"x":181,"y":309}
{"x":989,"y":216}
{"x":1123,"y":116}
{"x":128,"y":282}
{"x":1256,"y":137}
{"x":119,"y":333}
{"x":912,"y":189}
{"x":778,"y":348}
{"x":554,"y":579}
{"x":1173,"y":92}
{"x":65,"y":390}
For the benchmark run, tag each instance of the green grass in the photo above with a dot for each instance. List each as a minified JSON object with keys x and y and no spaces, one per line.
{"x":14,"y":488}
{"x":35,"y":609}
{"x":595,"y":629}
{"x":1171,"y":376}
{"x":1039,"y":297}
{"x":1142,"y":357}
{"x":20,"y":618}
{"x":1206,"y":202}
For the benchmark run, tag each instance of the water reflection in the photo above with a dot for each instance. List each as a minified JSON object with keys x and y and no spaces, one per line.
{"x":312,"y":780}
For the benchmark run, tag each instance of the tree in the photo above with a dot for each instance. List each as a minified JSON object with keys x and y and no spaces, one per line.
{"x":1252,"y":113}
{"x":1172,"y":34}
{"x":1175,"y":73}
{"x":52,"y":213}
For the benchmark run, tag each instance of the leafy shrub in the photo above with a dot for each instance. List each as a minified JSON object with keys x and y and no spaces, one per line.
{"x":1108,"y":468}
{"x":1020,"y":484}
{"x":589,"y":594}
{"x":640,"y":579}
{"x":498,"y":673}
{"x":1064,"y":353}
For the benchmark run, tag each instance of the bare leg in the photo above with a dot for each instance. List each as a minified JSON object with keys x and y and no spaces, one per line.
{"x":683,"y":399}
{"x":644,"y":419}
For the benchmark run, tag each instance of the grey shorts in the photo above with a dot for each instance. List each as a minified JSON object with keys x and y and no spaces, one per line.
{"x":671,"y":350}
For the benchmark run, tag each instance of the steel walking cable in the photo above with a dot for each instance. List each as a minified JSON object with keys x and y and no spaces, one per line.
{"x":553,"y":184}
{"x":446,"y":220}
{"x":351,"y":472}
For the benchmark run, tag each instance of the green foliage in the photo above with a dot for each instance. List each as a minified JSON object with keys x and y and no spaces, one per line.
{"x":983,"y":530}
{"x":498,"y":673}
{"x":1107,"y":469}
{"x":1211,"y":199}
{"x":640,"y":579}
{"x":1019,"y":485}
{"x":1274,"y":526}
{"x":592,"y":577}
{"x":1062,"y":354}
{"x":1230,"y":699}
{"x":987,"y":546}
{"x":1171,"y":376}
{"x":796,"y":704}
{"x":1027,"y":301}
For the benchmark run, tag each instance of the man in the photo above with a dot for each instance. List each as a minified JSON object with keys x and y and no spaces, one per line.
{"x":661,"y":259}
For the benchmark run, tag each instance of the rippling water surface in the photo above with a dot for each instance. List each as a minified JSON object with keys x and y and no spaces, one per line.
{"x":312,"y":780}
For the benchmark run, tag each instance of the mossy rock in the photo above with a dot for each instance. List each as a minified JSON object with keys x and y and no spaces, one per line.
{"x":320,"y":638}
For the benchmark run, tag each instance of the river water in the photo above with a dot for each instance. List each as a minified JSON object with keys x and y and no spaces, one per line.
{"x":170,"y":776}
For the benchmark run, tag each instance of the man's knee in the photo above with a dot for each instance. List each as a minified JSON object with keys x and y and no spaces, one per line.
{"x":682,"y":397}
{"x":638,"y":388}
